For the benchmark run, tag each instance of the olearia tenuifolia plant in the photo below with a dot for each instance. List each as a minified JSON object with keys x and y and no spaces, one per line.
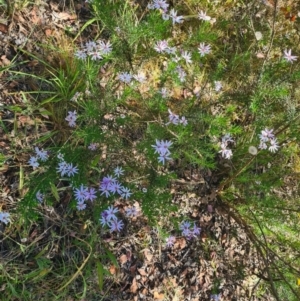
{"x":168,"y":88}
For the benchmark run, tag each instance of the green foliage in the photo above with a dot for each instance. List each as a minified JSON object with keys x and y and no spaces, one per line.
{"x":125,"y":120}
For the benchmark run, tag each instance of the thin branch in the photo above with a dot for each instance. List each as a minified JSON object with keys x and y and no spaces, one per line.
{"x":274,"y":291}
{"x":271,"y":42}
{"x":254,"y":240}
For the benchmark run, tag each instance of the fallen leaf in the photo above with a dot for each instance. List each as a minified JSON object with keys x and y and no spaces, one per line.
{"x":48,"y":32}
{"x":5,"y":61}
{"x":19,"y":18}
{"x":64,"y":16}
{"x":25,"y":120}
{"x":3,"y":28}
{"x":180,"y":243}
{"x":133,"y":269}
{"x":158,"y":296}
{"x":54,"y":6}
{"x":142,"y":272}
{"x":269,"y":3}
{"x":33,"y":63}
{"x":35,"y":19}
{"x":260,"y":55}
{"x":172,"y":259}
{"x":133,"y":287}
{"x":123,"y":258}
{"x":113,"y":270}
{"x":148,"y":254}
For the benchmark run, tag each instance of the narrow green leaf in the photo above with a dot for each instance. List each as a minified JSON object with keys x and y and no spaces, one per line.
{"x":46,"y":137}
{"x":45,"y":112}
{"x":13,"y":291}
{"x":32,"y":274}
{"x":96,"y":160}
{"x":21,"y":178}
{"x":42,"y":252}
{"x":84,"y":27}
{"x":51,"y":99}
{"x":15,"y":108}
{"x":54,"y":191}
{"x":100,"y":272}
{"x":112,"y":257}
